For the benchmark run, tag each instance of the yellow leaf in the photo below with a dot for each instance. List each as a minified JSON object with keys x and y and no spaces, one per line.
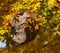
{"x":38,"y":19}
{"x":3,"y":31}
{"x":41,"y":24}
{"x":8,"y":17}
{"x":51,"y":1}
{"x":32,"y":1}
{"x":25,"y":1}
{"x":36,"y":6}
{"x":36,"y":27}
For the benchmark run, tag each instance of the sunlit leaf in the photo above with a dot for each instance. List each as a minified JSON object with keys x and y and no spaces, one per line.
{"x":36,"y":27}
{"x":3,"y":31}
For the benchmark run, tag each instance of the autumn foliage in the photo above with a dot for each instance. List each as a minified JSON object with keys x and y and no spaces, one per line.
{"x":47,"y":23}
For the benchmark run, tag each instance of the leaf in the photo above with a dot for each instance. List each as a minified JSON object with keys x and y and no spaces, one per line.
{"x":44,"y":13}
{"x":45,"y":3}
{"x":51,"y":1}
{"x":36,"y":27}
{"x":25,"y":1}
{"x":3,"y":31}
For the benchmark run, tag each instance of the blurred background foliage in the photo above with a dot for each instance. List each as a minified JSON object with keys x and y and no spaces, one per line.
{"x":48,"y":24}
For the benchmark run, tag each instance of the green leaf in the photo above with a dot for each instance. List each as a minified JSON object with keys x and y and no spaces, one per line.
{"x":44,"y":13}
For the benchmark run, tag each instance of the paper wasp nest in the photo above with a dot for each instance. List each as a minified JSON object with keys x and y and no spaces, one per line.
{"x":21,"y":34}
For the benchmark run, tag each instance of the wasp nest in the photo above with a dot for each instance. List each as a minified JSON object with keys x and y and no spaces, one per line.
{"x":21,"y":33}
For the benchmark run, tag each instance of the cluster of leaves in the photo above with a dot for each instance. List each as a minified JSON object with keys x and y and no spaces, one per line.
{"x":47,"y":22}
